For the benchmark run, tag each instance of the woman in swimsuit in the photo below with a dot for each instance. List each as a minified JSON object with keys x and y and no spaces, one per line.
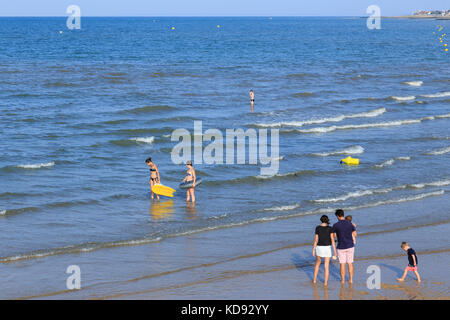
{"x":252,"y":99}
{"x":154,"y":175}
{"x":190,"y":194}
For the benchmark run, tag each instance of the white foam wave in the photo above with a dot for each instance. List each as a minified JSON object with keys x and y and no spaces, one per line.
{"x":406,"y":199}
{"x":414,"y":83}
{"x":148,"y":140}
{"x":283,"y":208}
{"x":439,"y":151}
{"x":3,"y":212}
{"x":347,"y":196}
{"x":368,"y":192}
{"x":359,"y":126}
{"x":389,"y":162}
{"x":349,"y":151}
{"x":372,"y":125}
{"x":437,"y":95}
{"x":439,"y":183}
{"x":36,"y":166}
{"x":72,"y":249}
{"x":368,"y":114}
{"x":407,"y":98}
{"x":403,"y":158}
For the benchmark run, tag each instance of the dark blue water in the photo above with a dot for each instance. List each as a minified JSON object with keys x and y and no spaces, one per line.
{"x":82,"y":110}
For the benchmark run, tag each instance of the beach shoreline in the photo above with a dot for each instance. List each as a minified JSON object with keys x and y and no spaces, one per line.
{"x":242,"y":262}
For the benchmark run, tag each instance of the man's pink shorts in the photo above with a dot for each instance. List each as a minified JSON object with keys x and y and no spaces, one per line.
{"x":346,"y":255}
{"x":409,"y":268}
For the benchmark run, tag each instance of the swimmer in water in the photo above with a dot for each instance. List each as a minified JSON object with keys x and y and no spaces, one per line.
{"x":252,"y":99}
{"x":154,"y":175}
{"x":190,"y":192}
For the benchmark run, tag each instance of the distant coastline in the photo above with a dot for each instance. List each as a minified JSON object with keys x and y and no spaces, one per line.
{"x":419,"y":17}
{"x":423,"y":14}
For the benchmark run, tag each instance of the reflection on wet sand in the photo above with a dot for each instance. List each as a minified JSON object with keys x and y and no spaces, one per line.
{"x":161,"y":210}
{"x":191,"y":212}
{"x":316,"y":293}
{"x":346,"y":294}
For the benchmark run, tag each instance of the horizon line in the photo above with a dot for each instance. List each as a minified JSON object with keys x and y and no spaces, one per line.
{"x":202,"y":16}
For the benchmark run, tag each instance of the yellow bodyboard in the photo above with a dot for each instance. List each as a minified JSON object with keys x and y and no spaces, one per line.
{"x":163,"y":190}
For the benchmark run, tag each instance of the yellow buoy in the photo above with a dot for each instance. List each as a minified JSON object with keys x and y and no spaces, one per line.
{"x":173,"y":28}
{"x":218,"y":26}
{"x":350,"y":161}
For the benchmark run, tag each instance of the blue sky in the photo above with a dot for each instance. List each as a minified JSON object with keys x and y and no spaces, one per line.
{"x":216,"y":7}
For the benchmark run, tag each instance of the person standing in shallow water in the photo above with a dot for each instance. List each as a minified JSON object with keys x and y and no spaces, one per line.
{"x":252,"y":99}
{"x":190,"y":192}
{"x":323,"y":241}
{"x":154,"y":175}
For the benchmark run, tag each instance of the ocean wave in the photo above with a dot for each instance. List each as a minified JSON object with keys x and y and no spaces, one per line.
{"x":413,"y":83}
{"x":140,"y":131}
{"x":437,"y":95}
{"x":9,"y":212}
{"x":439,"y":183}
{"x":16,"y":194}
{"x":133,"y":141}
{"x":302,"y":94}
{"x":359,"y":126}
{"x":59,"y":84}
{"x":390,"y":162}
{"x":74,"y":249}
{"x":258,"y":178}
{"x":112,"y":122}
{"x":285,"y":175}
{"x":439,"y":151}
{"x":407,"y":98}
{"x":403,"y":158}
{"x":173,"y":74}
{"x":368,"y":114}
{"x":400,"y":200}
{"x":371,"y":125}
{"x":283,"y":208}
{"x":369,"y":192}
{"x":386,"y":163}
{"x":37,"y":165}
{"x":148,"y":109}
{"x":355,"y":194}
{"x":349,"y":151}
{"x":298,"y":75}
{"x":148,"y":140}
